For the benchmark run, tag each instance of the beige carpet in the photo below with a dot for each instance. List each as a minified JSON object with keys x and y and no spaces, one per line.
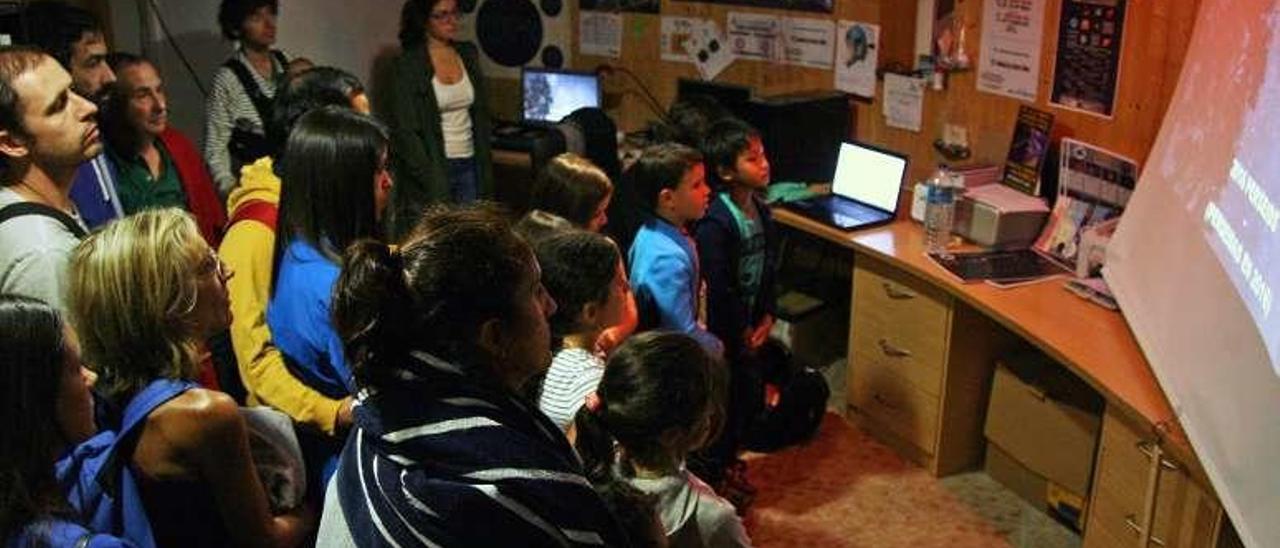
{"x":845,"y":489}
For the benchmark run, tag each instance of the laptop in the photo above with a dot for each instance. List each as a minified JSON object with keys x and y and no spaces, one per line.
{"x":864,"y":190}
{"x":551,"y":94}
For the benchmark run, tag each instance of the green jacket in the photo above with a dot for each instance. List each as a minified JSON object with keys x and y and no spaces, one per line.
{"x":417,"y":143}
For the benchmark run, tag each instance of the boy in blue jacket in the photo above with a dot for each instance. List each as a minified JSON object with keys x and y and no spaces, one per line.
{"x":670,"y":181}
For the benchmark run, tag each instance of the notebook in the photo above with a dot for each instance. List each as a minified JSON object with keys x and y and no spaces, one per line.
{"x":864,"y":190}
{"x":551,"y":94}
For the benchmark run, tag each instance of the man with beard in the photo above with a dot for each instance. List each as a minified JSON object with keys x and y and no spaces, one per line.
{"x":154,"y":165}
{"x":74,"y":37}
{"x":46,"y":132}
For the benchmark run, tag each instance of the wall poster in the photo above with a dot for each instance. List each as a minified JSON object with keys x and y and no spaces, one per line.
{"x":1012,"y":33}
{"x":638,"y":6}
{"x":1087,"y":67}
{"x":824,"y":6}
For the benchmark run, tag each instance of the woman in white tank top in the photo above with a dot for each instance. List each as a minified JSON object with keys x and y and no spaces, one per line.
{"x":438,"y":115}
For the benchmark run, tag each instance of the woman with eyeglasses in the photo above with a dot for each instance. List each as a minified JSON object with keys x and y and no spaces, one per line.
{"x":334,"y":187}
{"x":145,"y":290}
{"x":439,"y":117}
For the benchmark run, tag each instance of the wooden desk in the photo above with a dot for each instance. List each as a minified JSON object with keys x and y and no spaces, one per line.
{"x":1095,"y":344}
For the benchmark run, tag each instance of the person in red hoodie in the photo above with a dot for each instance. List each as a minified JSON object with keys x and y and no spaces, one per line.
{"x":155,"y":165}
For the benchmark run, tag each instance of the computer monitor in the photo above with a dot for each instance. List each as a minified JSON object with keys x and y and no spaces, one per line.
{"x":551,"y":94}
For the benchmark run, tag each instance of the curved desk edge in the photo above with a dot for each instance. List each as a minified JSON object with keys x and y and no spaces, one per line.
{"x":1094,"y":343}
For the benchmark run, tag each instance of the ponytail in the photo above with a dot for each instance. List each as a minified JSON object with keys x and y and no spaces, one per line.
{"x":372,"y":310}
{"x":594,"y":443}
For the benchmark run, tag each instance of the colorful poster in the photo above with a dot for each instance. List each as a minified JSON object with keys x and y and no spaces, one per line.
{"x":600,"y":33}
{"x":639,"y":6}
{"x":1087,"y":67}
{"x":1012,"y":34}
{"x":856,"y":58}
{"x":809,"y":42}
{"x":675,"y":32}
{"x":755,"y":36}
{"x":1027,"y":152}
{"x":824,"y":6}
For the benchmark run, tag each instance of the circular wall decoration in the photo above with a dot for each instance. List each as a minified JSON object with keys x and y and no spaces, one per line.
{"x":514,"y":33}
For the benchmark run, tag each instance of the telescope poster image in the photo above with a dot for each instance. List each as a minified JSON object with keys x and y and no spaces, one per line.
{"x":824,"y":6}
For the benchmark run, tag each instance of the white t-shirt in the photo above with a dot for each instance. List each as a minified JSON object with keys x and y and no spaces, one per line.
{"x":454,"y":101}
{"x":573,"y":374}
{"x":34,"y":251}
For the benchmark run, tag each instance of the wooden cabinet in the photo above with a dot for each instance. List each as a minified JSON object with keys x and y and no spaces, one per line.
{"x":1136,"y":485}
{"x":919,"y":367}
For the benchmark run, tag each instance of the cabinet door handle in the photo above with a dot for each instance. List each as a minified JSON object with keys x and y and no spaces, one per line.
{"x":897,"y":294}
{"x":1148,"y":448}
{"x":884,"y":402}
{"x":893,"y":351}
{"x":1133,"y":524}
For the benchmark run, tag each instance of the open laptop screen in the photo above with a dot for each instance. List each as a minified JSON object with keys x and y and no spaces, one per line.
{"x":869,"y":175}
{"x":550,"y":95}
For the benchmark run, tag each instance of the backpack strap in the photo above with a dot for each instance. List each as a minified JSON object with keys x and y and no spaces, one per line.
{"x":147,"y":400}
{"x":22,"y":209}
{"x":261,"y":102}
{"x":255,"y":210}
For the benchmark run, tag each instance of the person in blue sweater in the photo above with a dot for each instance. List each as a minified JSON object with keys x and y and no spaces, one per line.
{"x":334,"y":188}
{"x":670,"y":180}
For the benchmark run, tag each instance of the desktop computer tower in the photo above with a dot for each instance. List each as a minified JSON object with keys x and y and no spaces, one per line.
{"x":802,"y":132}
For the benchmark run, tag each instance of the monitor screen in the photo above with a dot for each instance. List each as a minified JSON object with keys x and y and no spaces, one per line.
{"x":550,"y":95}
{"x":869,"y":175}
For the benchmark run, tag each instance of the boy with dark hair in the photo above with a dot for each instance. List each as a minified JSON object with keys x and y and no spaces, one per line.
{"x":737,"y":239}
{"x":671,"y":183}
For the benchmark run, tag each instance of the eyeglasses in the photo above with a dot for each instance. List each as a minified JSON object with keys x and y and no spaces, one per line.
{"x":444,"y":15}
{"x":215,"y":265}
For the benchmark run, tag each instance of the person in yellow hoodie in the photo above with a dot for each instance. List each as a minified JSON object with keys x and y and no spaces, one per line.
{"x":247,"y":247}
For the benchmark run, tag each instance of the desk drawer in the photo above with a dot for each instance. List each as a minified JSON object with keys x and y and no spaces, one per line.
{"x":914,"y":348}
{"x":899,"y":299}
{"x":897,"y":405}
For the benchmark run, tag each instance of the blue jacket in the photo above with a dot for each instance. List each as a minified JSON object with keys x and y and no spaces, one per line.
{"x":720,"y":242}
{"x":298,"y":316}
{"x":94,"y":192}
{"x":665,"y":280}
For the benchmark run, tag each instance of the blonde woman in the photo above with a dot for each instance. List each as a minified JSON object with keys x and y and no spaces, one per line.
{"x":144,"y":291}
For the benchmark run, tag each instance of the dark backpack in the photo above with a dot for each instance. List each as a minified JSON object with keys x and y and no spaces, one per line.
{"x":96,"y":476}
{"x":801,"y":404}
{"x":247,"y":145}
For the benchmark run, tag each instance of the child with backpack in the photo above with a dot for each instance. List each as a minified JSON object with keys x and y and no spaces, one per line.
{"x":658,"y":400}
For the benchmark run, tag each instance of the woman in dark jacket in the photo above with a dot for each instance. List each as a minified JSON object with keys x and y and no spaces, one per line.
{"x":438,"y":113}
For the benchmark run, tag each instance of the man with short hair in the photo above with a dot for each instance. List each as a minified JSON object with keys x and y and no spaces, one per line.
{"x":47,"y":131}
{"x":155,"y":165}
{"x":74,"y":37}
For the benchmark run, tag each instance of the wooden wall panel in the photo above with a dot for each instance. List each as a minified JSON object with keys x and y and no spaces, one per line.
{"x":1156,"y":37}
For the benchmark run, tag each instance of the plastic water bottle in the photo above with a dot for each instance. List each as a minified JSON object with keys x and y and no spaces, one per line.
{"x":939,"y":212}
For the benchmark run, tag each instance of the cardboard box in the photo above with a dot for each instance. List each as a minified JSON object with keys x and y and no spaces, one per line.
{"x":1049,"y":497}
{"x":1045,"y":418}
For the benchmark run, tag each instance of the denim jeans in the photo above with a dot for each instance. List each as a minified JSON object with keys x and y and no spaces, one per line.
{"x":463,"y":184}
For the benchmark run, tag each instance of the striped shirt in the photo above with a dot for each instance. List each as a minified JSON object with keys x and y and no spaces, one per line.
{"x":574,"y":373}
{"x":228,"y":103}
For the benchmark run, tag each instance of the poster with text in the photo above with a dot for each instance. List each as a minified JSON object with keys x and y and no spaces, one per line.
{"x":856,"y":58}
{"x":638,"y":6}
{"x":809,"y":42}
{"x":1012,"y":35}
{"x":755,"y":36}
{"x":1087,"y":67}
{"x":600,"y":33}
{"x":708,"y":50}
{"x":824,"y":6}
{"x":903,"y":101}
